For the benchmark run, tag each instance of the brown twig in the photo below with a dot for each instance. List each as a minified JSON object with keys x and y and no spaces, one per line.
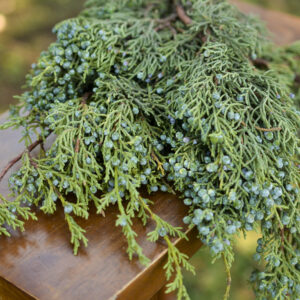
{"x":19,"y":157}
{"x":77,"y":147}
{"x":182,"y":15}
{"x":32,"y":162}
{"x":263,"y":129}
{"x":166,"y":22}
{"x":43,"y":148}
{"x":268,"y":129}
{"x":187,"y":21}
{"x":33,"y":146}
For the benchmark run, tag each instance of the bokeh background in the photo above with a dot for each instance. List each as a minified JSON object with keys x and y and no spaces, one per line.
{"x":25,"y":30}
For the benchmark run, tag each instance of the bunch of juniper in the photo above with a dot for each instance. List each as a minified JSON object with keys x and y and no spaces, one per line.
{"x":170,"y":96}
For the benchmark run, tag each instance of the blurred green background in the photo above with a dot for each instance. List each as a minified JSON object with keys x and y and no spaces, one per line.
{"x":25,"y":30}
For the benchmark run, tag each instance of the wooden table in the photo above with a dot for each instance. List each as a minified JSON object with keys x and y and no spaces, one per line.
{"x":283,"y":27}
{"x":39,"y":264}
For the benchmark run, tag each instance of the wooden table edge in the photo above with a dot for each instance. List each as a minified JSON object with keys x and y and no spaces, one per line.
{"x":131,"y":290}
{"x":155,"y":270}
{"x":13,"y":291}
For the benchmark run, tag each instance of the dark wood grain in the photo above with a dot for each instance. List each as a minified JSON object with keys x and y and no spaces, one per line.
{"x":9,"y":291}
{"x":39,"y":264}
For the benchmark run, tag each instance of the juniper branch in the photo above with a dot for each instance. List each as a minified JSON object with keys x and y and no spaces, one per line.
{"x":166,"y":112}
{"x":226,"y":295}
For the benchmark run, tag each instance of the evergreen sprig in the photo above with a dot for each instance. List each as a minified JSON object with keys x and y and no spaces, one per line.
{"x":178,"y":96}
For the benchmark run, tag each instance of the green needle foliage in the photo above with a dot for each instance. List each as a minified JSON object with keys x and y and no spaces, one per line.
{"x":174,"y":96}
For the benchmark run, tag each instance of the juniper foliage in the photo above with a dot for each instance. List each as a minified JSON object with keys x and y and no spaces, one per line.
{"x":169,"y":95}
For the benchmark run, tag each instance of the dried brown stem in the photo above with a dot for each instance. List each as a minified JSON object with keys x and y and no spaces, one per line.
{"x":268,"y":129}
{"x":182,"y":15}
{"x":77,"y":147}
{"x":263,"y":129}
{"x":30,"y":148}
{"x":19,"y":157}
{"x":32,"y":162}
